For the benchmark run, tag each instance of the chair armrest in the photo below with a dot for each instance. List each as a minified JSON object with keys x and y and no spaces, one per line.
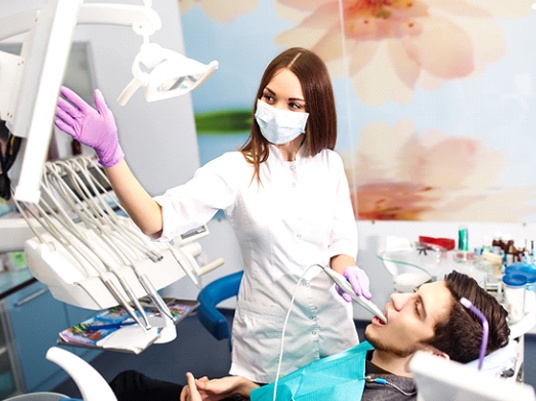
{"x":210,"y":296}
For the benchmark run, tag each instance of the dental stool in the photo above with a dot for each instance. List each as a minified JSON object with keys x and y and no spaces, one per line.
{"x":209,"y":297}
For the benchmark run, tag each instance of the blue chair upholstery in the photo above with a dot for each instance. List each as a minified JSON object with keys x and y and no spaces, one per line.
{"x":210,"y":296}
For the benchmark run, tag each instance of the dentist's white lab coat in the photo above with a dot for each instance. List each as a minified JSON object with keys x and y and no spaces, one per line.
{"x":299,"y":216}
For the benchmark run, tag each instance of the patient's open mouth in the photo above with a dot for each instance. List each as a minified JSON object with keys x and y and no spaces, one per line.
{"x":377,"y":321}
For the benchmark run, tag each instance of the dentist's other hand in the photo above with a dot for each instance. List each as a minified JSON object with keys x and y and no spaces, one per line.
{"x":359,"y":281}
{"x":93,"y":128}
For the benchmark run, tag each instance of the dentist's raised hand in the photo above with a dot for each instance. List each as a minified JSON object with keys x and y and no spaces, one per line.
{"x":92,"y":127}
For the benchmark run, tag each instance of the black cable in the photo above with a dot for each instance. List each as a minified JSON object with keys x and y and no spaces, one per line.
{"x":7,"y":158}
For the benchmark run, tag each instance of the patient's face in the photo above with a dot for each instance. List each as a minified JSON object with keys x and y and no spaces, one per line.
{"x":411,"y":319}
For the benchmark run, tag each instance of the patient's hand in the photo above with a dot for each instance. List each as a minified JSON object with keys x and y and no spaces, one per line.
{"x":216,"y":389}
{"x":189,"y":392}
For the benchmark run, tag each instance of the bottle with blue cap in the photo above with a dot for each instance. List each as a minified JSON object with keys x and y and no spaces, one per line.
{"x":529,"y":271}
{"x":514,"y":295}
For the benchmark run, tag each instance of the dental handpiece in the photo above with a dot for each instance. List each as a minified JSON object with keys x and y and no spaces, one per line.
{"x":344,"y":285}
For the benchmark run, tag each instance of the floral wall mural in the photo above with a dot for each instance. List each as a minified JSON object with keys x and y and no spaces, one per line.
{"x":435,"y":98}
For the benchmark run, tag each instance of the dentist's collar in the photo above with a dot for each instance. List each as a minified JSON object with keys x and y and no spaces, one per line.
{"x":274,"y":149}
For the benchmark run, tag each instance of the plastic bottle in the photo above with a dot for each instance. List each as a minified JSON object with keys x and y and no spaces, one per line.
{"x":486,"y":244}
{"x":463,"y":239}
{"x":514,"y":296}
{"x":496,"y":243}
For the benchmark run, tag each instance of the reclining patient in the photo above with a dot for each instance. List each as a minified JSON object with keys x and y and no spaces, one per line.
{"x":431,"y":319}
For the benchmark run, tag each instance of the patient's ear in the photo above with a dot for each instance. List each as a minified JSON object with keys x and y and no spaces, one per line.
{"x":434,"y":351}
{"x":430,"y":350}
{"x":440,"y":354}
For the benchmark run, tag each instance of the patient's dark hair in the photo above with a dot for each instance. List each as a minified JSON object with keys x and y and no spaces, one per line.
{"x":460,"y":335}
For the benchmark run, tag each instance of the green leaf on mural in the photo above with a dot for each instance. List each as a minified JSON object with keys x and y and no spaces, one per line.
{"x":223,"y":122}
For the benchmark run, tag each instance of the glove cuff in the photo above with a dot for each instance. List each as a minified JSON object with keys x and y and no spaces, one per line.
{"x":110,"y":156}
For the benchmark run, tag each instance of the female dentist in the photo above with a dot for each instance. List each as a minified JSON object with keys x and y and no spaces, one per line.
{"x":286,"y":196}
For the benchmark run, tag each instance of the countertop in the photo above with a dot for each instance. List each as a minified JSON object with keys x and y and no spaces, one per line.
{"x":12,"y":281}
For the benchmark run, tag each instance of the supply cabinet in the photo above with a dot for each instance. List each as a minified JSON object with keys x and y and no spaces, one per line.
{"x":10,"y":375}
{"x":33,"y":319}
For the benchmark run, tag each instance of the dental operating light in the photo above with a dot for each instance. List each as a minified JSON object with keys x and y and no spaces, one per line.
{"x":164,"y":74}
{"x":30,"y":82}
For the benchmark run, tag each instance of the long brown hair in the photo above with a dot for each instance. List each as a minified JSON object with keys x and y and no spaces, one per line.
{"x":321,"y":129}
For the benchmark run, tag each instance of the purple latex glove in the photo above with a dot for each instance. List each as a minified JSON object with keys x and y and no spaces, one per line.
{"x":359,"y":281}
{"x":93,"y":128}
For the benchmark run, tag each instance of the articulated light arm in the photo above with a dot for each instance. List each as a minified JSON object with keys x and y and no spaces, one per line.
{"x":30,"y":82}
{"x":144,"y":20}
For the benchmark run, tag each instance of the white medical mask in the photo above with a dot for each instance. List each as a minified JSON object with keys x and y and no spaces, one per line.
{"x":279,"y":126}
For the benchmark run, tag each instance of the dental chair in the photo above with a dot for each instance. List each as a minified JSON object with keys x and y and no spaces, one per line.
{"x":209,"y":298}
{"x":92,"y":386}
{"x":439,"y":379}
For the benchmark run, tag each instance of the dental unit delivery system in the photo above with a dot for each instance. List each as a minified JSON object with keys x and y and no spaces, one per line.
{"x":344,"y":285}
{"x":92,"y":257}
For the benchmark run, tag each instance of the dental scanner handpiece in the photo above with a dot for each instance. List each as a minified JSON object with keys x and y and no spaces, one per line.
{"x":344,"y":285}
